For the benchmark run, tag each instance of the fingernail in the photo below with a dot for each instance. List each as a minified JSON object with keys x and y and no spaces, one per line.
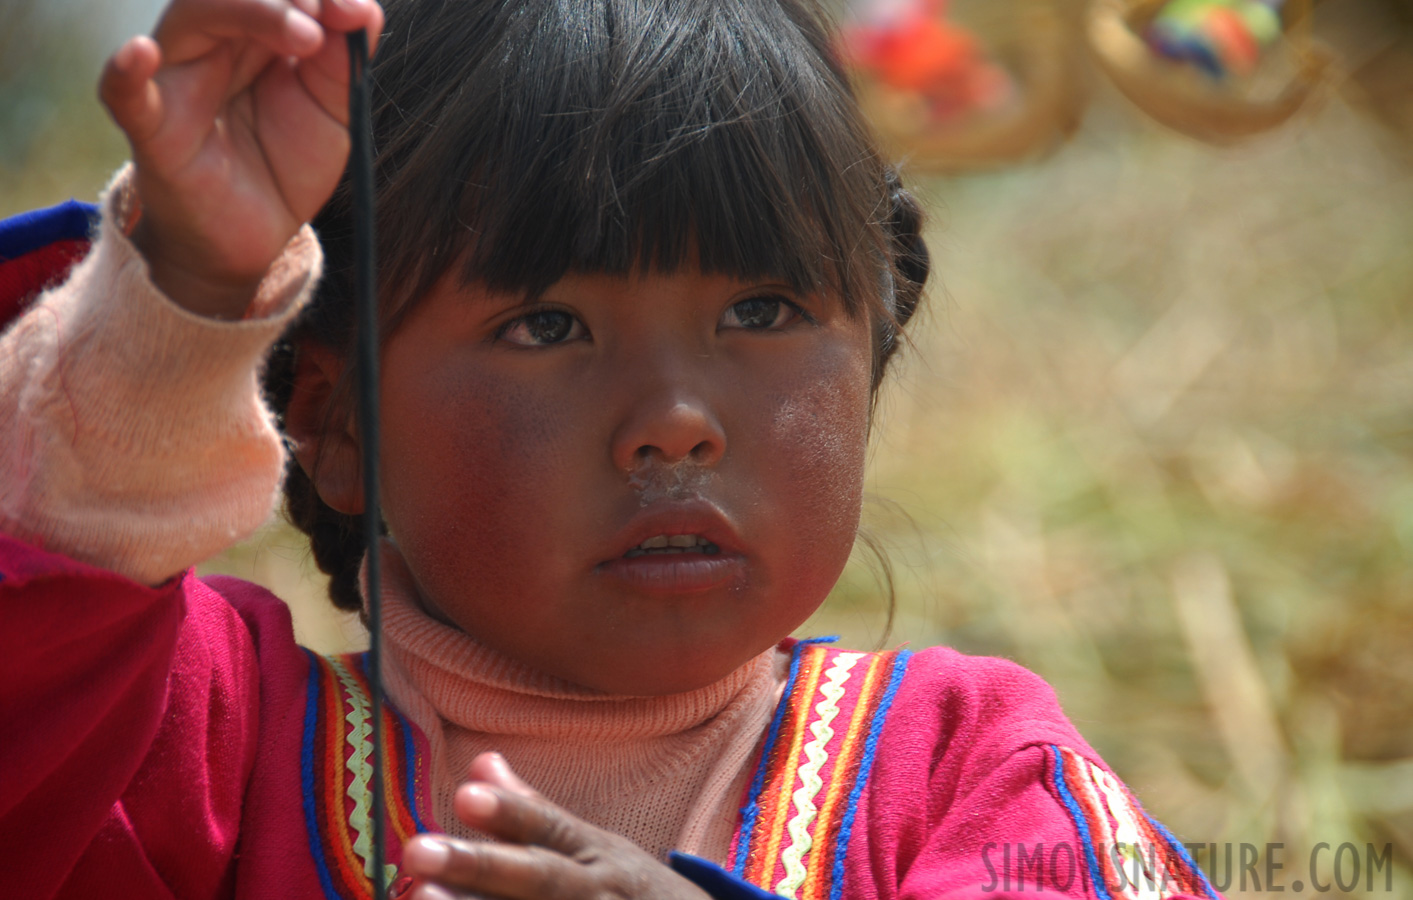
{"x":399,"y":888}
{"x":481,"y":802}
{"x":429,"y":856}
{"x":432,"y":892}
{"x":303,"y":30}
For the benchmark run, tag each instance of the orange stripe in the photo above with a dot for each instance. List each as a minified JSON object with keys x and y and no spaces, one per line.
{"x":398,"y":813}
{"x":779,"y":765}
{"x":337,"y":848}
{"x":327,"y":730}
{"x":790,"y":770}
{"x":1176,"y":868}
{"x":348,"y":861}
{"x":839,"y":785}
{"x":1101,"y":830}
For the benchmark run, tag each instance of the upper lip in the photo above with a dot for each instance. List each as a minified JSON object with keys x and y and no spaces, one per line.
{"x":700,"y":517}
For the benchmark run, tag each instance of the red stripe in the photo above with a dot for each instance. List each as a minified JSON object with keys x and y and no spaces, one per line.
{"x":841,"y":781}
{"x":330,"y":790}
{"x":761,"y":869}
{"x":350,"y":869}
{"x":399,"y":816}
{"x":1099,"y":823}
{"x":1188,"y":881}
{"x":22,"y":278}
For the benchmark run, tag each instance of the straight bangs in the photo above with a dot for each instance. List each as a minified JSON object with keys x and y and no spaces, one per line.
{"x":616,"y":135}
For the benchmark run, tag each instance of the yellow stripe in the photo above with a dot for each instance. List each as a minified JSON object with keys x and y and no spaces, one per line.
{"x":1130,"y":836}
{"x":1104,"y":841}
{"x":360,"y":750}
{"x":816,"y":754}
{"x":336,"y":770}
{"x":788,"y":771}
{"x":838,"y":784}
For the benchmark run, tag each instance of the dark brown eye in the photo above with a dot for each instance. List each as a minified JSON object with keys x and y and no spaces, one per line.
{"x":757,"y":313}
{"x":543,"y":327}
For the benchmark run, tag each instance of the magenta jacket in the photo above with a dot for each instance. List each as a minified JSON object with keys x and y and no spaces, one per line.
{"x":176,"y":742}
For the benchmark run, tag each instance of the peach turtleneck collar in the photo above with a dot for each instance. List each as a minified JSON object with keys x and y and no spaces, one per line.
{"x":666,"y":771}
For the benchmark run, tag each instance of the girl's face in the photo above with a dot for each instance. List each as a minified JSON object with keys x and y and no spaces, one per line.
{"x":537,"y":455}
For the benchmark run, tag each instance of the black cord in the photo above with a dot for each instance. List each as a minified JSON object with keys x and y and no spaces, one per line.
{"x":360,"y":161}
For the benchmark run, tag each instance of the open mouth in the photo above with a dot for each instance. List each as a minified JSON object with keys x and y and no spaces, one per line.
{"x":663,"y":544}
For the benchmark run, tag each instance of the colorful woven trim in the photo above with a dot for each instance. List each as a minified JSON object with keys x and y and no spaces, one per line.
{"x":37,"y":249}
{"x":800,"y":807}
{"x":1127,"y":854}
{"x":337,"y":770}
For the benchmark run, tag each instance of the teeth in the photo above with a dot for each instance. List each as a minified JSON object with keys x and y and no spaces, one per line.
{"x":677,"y":543}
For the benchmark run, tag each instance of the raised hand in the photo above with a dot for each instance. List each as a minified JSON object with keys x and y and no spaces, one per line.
{"x":237,"y":112}
{"x":543,"y":852}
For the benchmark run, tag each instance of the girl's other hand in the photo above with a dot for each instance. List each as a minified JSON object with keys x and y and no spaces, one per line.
{"x":543,"y":853}
{"x":237,"y":113}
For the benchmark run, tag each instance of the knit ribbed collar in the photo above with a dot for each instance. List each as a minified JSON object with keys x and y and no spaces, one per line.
{"x":480,"y":690}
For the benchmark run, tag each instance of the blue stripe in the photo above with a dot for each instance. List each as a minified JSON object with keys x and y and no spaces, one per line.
{"x":846,"y":827}
{"x":1096,"y":876}
{"x":30,"y":231}
{"x":716,"y":881}
{"x":750,"y":812}
{"x":1176,"y":846}
{"x":409,"y":750}
{"x":306,"y":768}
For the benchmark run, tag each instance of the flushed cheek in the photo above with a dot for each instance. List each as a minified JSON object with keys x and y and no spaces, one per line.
{"x":818,"y":440}
{"x":478,"y":471}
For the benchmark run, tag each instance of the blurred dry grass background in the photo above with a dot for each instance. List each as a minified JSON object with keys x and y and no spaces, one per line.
{"x":1154,"y":440}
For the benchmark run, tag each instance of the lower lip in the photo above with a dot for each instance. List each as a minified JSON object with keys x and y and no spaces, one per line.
{"x":675,"y":573}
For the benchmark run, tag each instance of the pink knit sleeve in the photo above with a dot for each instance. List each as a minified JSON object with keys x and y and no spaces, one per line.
{"x":132,"y":432}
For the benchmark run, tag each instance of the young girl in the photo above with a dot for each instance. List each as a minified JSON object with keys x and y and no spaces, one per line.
{"x":642,"y":273}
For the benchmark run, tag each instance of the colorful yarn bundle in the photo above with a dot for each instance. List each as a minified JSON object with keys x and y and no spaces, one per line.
{"x":1220,"y":37}
{"x":909,"y":46}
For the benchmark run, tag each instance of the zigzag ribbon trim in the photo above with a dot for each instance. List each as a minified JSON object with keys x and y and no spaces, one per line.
{"x":1129,"y":856}
{"x":800,"y":809}
{"x":816,"y":754}
{"x":360,"y":748}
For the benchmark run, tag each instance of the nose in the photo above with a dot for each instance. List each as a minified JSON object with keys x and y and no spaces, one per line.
{"x":670,"y":425}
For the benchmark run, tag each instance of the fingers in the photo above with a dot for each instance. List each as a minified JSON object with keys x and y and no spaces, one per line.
{"x":493,"y":769}
{"x":309,"y":30}
{"x":349,"y":15}
{"x":190,"y":28}
{"x":127,"y":89}
{"x":498,"y":870}
{"x":519,"y":818}
{"x":325,"y":74}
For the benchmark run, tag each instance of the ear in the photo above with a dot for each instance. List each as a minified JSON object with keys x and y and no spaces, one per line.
{"x":322,"y":429}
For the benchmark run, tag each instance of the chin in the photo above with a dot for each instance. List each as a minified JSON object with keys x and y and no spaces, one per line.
{"x":657,"y":675}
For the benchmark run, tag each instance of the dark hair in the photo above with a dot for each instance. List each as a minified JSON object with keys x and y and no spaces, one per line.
{"x":524,"y":140}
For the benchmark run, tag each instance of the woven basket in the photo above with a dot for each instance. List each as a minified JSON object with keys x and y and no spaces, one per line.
{"x":1290,"y":74}
{"x":1047,"y":107}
